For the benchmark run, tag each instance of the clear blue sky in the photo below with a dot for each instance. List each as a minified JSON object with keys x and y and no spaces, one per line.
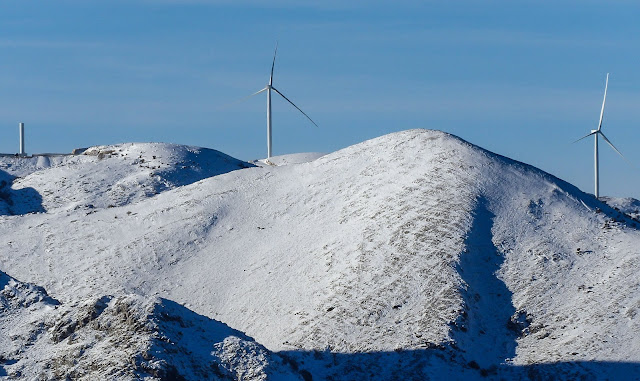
{"x":521,"y":78}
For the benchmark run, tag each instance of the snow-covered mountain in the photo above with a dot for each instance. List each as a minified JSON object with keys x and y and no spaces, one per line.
{"x":415,"y":255}
{"x":106,"y":176}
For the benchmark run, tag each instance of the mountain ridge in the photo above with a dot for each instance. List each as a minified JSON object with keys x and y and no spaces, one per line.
{"x":404,"y":243}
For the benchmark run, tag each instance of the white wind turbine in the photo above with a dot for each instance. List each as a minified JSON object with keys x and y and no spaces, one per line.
{"x":597,"y":132}
{"x":268,"y":89}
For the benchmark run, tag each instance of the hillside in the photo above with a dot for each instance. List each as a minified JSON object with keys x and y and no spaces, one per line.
{"x":122,"y":337}
{"x":106,"y":176}
{"x":413,"y":255}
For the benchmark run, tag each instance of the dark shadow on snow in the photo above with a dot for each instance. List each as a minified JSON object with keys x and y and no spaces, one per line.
{"x":487,"y":329}
{"x":196,"y":166}
{"x":21,"y":294}
{"x":185,"y":347}
{"x":14,"y":202}
{"x":442,"y":364}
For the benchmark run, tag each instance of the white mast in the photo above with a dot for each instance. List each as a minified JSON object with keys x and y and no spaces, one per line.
{"x":269,"y":87}
{"x":596,"y":166}
{"x":606,"y":85}
{"x":21,"y":130}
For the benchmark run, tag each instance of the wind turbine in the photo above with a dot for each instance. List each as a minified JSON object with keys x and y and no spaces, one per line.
{"x":597,"y":132}
{"x":268,"y":89}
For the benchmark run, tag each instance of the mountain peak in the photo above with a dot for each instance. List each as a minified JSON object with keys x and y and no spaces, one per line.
{"x":415,"y":247}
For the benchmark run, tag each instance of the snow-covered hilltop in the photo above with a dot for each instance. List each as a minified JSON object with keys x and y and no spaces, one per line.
{"x":413,"y":255}
{"x":108,"y":175}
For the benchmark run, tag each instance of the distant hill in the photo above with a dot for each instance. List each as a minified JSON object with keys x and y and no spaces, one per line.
{"x":415,"y":255}
{"x":108,"y":176}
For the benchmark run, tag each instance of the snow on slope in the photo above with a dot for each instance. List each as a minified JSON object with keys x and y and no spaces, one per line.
{"x":415,"y":254}
{"x":629,"y":206}
{"x":122,"y":338}
{"x":295,"y":158}
{"x":107,"y":176}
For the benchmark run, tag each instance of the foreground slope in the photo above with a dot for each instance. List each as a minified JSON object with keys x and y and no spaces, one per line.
{"x":126,"y":337}
{"x":413,"y":254}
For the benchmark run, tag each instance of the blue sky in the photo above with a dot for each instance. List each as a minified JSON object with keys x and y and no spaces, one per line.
{"x":521,"y":78}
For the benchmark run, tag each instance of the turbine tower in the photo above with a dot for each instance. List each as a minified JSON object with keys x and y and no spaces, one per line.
{"x":268,"y":89}
{"x":597,"y":132}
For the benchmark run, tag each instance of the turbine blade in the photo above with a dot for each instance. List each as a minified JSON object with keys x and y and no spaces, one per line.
{"x":612,"y":146}
{"x":620,"y":153}
{"x":256,"y":93}
{"x":241,"y":99}
{"x":287,"y":99}
{"x":606,"y":84}
{"x":586,"y":136}
{"x":273,"y":63}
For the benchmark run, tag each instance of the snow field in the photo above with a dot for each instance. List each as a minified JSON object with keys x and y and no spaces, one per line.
{"x":416,"y":249}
